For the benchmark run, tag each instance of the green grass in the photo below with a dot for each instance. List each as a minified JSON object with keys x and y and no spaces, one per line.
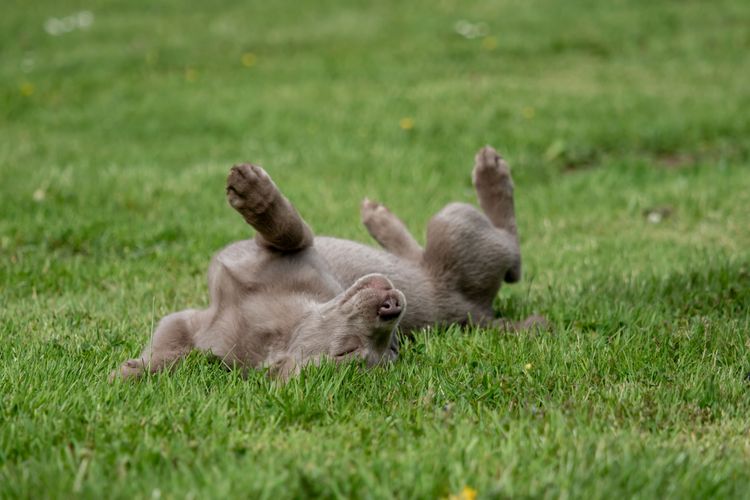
{"x":114,"y":146}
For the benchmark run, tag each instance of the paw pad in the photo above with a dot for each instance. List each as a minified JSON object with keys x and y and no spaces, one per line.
{"x":250,"y":189}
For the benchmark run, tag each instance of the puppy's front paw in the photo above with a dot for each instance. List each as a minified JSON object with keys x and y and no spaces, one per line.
{"x":283,"y":369}
{"x":250,"y":189}
{"x":389,"y":356}
{"x":376,"y":217}
{"x":131,"y":368}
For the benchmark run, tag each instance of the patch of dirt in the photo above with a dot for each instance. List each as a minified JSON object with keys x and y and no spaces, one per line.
{"x":677,"y":160}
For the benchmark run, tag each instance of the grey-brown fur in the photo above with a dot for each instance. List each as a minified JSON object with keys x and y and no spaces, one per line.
{"x":286,"y":298}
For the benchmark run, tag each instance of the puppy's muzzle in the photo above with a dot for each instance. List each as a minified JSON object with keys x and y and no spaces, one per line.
{"x":391,"y":308}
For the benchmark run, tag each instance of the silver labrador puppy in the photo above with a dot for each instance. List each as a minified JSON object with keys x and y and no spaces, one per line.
{"x":286,"y":298}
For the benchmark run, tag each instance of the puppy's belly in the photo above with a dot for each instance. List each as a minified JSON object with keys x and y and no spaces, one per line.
{"x":349,"y":261}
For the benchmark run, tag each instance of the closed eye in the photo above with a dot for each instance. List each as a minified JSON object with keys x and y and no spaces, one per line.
{"x":346,"y":352}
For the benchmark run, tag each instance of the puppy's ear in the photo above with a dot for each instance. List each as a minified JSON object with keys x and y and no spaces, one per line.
{"x":283,"y":369}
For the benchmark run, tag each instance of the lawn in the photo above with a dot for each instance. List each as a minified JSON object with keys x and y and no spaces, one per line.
{"x":625,"y":122}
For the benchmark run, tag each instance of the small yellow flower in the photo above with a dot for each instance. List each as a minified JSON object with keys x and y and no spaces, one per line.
{"x":249,"y":59}
{"x":26,"y":88}
{"x":468,"y":493}
{"x":528,"y":112}
{"x":489,"y":43}
{"x":191,"y":75}
{"x":406,"y":123}
{"x":527,"y":366}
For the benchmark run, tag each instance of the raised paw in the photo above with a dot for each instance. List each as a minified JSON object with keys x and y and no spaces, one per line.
{"x":376,"y":217}
{"x":389,"y":231}
{"x":491,"y":178}
{"x":490,"y":169}
{"x":250,"y":190}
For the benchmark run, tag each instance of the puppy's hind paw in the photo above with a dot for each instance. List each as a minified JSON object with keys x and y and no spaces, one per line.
{"x":494,"y":186}
{"x":490,"y":169}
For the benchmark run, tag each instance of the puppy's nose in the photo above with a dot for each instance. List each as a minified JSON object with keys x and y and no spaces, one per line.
{"x":389,"y":309}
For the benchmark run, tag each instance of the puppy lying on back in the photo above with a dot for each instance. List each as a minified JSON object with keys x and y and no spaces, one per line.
{"x":286,"y":298}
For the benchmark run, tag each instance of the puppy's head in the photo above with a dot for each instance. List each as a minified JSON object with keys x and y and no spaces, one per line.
{"x":359,"y":323}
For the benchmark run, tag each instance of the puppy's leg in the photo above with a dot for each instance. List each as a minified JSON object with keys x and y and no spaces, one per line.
{"x":466,"y":253}
{"x":172,"y":340}
{"x":389,"y":231}
{"x":494,"y":186}
{"x":284,"y":368}
{"x":254,"y":195}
